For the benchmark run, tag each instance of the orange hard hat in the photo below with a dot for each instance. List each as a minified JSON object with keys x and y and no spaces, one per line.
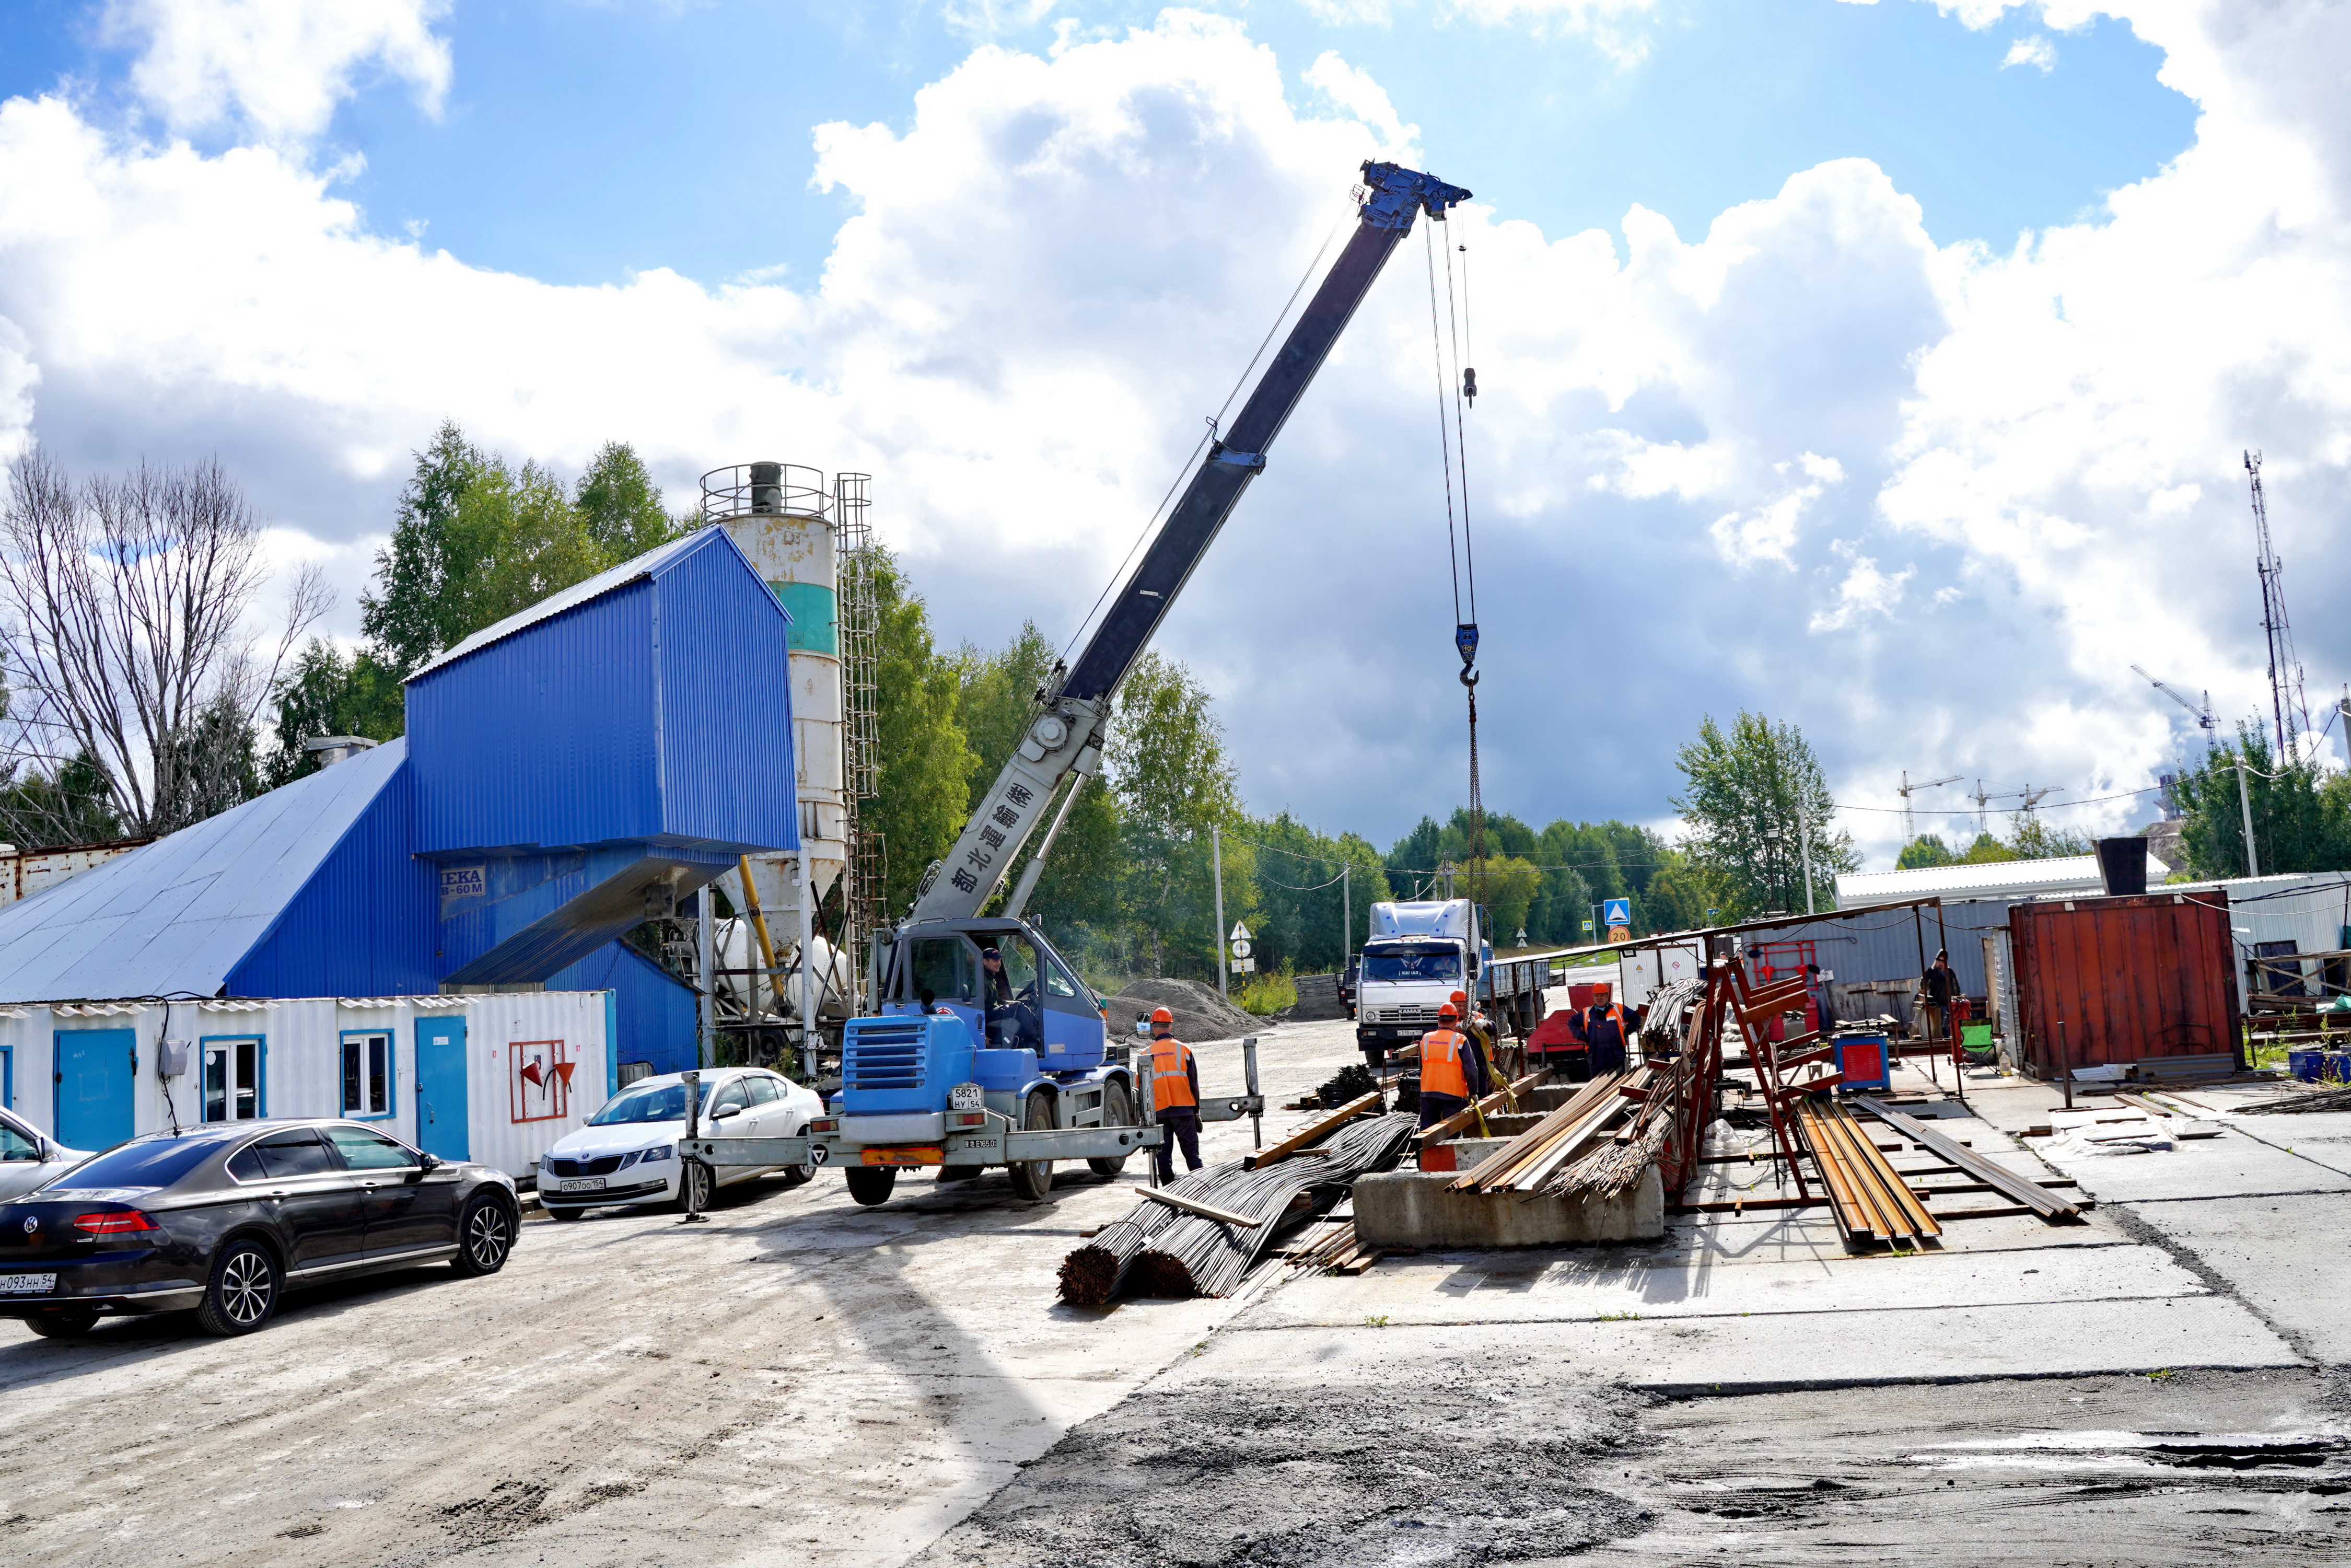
{"x":1459,"y":998}
{"x":1447,"y":1010}
{"x":1161,"y":1015}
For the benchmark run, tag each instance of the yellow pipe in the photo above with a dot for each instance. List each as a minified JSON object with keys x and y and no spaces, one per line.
{"x":760,"y":925}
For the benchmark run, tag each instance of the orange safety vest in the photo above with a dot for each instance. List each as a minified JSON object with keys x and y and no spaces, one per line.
{"x":1441,"y":1071}
{"x":1171,"y":1084}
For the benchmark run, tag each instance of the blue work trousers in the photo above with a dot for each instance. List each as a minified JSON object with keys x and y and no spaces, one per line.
{"x":1177,"y":1124}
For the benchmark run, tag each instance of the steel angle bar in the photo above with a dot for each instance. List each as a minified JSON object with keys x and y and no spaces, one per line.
{"x":2022,"y":1189}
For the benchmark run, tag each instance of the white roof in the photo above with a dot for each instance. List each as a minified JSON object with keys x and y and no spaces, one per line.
{"x":1990,"y":879}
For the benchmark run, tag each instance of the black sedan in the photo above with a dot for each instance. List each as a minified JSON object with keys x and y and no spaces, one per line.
{"x":226,"y":1218}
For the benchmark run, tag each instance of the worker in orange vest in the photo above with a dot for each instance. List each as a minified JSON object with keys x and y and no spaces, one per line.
{"x":1607,"y":1030}
{"x":1452,"y":1073}
{"x":1480,"y":1031}
{"x":1174,"y":1095}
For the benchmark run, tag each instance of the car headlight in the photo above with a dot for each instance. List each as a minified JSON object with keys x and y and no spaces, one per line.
{"x":666,"y":1152}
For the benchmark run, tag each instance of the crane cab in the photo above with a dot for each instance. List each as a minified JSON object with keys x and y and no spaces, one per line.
{"x":1028,"y":999}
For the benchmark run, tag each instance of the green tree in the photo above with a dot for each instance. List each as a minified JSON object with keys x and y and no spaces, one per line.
{"x":1505,"y":886}
{"x":620,"y":507}
{"x":1926,"y":849}
{"x":1750,"y":796}
{"x":2302,"y":817}
{"x":1167,"y":759}
{"x":328,"y":692}
{"x":72,"y":805}
{"x":1681,"y":896}
{"x":416,"y":607}
{"x":2036,"y":839}
{"x":1313,"y":890}
{"x":924,"y":763}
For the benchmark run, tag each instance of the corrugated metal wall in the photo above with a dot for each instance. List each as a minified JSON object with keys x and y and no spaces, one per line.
{"x":728,"y":767}
{"x":655,"y":1018}
{"x":2130,"y":979}
{"x":549,"y":736}
{"x":301,"y":1067}
{"x":364,"y":925}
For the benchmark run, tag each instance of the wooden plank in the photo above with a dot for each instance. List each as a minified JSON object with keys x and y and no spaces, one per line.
{"x":1313,"y":1129}
{"x":1467,"y":1113}
{"x":1192,"y":1205}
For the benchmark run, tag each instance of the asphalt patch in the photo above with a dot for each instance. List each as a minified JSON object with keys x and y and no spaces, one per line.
{"x":1449,"y":1465}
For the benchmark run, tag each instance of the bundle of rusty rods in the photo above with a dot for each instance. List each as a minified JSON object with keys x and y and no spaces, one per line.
{"x":1616,"y":1162}
{"x":1157,"y":1251}
{"x":1522,"y":1164}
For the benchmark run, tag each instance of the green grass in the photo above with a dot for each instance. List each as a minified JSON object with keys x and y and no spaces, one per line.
{"x":1265,"y":995}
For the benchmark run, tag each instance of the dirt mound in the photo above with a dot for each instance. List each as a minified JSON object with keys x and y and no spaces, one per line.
{"x":1200,"y":1013}
{"x":1224,"y":1475}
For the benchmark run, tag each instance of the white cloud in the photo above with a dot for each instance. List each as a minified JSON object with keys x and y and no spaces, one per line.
{"x":1354,"y":93}
{"x":1865,"y":592}
{"x":1345,"y":13}
{"x":1057,"y":265}
{"x":280,"y":66}
{"x":2036,"y":51}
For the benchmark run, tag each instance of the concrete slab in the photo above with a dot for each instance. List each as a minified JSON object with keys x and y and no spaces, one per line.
{"x":1589,"y":1286}
{"x":1415,"y":1209}
{"x":2289,"y":1258}
{"x":1789,"y":1350}
{"x":2230,"y":1166}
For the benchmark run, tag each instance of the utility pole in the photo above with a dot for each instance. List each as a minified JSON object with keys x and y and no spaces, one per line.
{"x":1805,"y":836}
{"x":1346,"y":915}
{"x":2245,"y":804}
{"x":1217,"y":860}
{"x":702,"y":961}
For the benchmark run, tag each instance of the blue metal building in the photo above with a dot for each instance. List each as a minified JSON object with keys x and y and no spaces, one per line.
{"x":566,"y":773}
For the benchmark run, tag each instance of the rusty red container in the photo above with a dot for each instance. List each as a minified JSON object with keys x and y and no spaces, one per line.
{"x":2130,"y":979}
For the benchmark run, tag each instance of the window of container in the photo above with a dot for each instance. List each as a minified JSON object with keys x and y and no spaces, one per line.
{"x":234,"y":1066}
{"x":367,"y":1073}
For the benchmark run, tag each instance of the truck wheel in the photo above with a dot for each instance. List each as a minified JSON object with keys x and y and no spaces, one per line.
{"x":1118,"y":1110}
{"x":1034,"y":1179}
{"x":871,"y":1184}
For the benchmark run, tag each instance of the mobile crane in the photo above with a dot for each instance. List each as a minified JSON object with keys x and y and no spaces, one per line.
{"x":968,"y":1062}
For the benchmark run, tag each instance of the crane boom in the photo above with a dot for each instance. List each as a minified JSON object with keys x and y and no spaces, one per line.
{"x":1066,"y":736}
{"x":2203,"y":715}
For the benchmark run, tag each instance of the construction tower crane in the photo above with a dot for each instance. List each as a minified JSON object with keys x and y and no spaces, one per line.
{"x":2287,"y":708}
{"x":1910,"y":824}
{"x":2203,"y":716}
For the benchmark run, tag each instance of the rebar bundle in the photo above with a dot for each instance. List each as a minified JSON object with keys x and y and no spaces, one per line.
{"x":1160,"y":1252}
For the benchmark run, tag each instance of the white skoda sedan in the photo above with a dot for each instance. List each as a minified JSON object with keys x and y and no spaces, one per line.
{"x":626,"y":1156}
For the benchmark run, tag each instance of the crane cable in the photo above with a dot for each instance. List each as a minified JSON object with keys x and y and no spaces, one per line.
{"x":1458,"y":384}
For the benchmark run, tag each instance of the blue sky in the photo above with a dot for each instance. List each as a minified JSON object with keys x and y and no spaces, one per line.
{"x":583,"y":141}
{"x":1838,"y":445}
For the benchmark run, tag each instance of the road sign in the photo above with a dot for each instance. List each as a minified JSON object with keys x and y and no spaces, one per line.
{"x":1240,"y":949}
{"x":1620,"y":934}
{"x":1616,"y":912}
{"x":1241,"y":932}
{"x":1587,"y":928}
{"x":1245,"y":966}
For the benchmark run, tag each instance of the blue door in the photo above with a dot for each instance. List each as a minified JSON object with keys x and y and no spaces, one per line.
{"x":95,"y":1068}
{"x":441,"y":1088}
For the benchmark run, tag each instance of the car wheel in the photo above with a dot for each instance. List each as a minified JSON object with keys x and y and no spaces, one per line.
{"x":1118,"y":1110}
{"x":871,"y":1184}
{"x":799,"y":1175}
{"x":243,"y":1293}
{"x":694,"y":1188}
{"x":1034,"y":1179}
{"x":486,"y":1237}
{"x":68,"y":1322}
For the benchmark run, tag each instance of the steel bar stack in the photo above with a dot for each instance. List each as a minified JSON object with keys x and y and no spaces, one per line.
{"x":1522,"y":1164}
{"x":2020,"y":1189}
{"x":1161,"y":1251}
{"x":1871,"y":1201}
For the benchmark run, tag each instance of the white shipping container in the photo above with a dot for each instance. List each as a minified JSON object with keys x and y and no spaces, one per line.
{"x":503,"y":1076}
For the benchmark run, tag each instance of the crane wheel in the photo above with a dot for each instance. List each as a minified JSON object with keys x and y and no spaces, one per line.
{"x":1033,"y":1179}
{"x":1118,"y":1110}
{"x":871,"y":1184}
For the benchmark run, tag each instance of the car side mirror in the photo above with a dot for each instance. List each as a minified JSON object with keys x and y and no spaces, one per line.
{"x":429,"y":1162}
{"x":725,"y":1111}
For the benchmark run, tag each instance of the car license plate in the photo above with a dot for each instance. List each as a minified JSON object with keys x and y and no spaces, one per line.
{"x":28,"y":1284}
{"x":584,"y":1184}
{"x":915,"y":1155}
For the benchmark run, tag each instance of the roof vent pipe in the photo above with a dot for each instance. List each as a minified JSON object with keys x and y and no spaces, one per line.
{"x":331,"y":750}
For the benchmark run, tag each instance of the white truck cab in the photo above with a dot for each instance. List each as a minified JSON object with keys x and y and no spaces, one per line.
{"x":1417,"y":955}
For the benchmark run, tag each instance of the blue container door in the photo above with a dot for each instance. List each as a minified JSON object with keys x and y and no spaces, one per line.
{"x":94,"y":1072}
{"x":440,"y":1123}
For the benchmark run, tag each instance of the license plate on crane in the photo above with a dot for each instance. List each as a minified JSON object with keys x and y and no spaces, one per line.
{"x":905,"y":1154}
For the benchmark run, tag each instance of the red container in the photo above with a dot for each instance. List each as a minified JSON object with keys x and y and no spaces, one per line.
{"x":2130,"y":978}
{"x":1580,"y":996}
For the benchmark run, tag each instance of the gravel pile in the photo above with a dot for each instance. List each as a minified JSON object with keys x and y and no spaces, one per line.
{"x":1200,"y":1013}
